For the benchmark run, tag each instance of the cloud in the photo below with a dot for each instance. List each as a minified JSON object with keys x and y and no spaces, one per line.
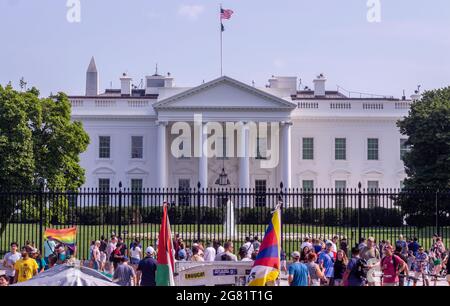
{"x":192,"y":12}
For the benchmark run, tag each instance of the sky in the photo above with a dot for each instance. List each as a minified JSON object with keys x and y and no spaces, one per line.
{"x":409,"y":46}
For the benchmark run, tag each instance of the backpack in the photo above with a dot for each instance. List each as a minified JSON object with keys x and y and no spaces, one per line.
{"x":360,"y":268}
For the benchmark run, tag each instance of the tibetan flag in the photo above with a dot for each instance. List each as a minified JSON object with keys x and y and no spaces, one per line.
{"x":65,"y":236}
{"x":266,"y":267}
{"x":165,"y":258}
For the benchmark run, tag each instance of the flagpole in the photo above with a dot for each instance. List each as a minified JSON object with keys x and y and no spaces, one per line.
{"x":221,"y":41}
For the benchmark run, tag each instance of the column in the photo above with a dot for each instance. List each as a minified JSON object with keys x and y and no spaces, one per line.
{"x":203,"y":160}
{"x":244,"y":160}
{"x":161,"y":155}
{"x":286,"y":164}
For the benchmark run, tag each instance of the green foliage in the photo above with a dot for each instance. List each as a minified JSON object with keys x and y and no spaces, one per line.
{"x":38,"y":141}
{"x":428,"y":162}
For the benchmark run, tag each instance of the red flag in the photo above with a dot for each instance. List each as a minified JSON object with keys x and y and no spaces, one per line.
{"x":166,"y":260}
{"x":225,"y":14}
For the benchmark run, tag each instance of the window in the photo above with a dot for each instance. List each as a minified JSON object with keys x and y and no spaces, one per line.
{"x":137,"y":147}
{"x":372,"y":194}
{"x":184,"y":198}
{"x":261,"y":152}
{"x":308,"y":148}
{"x":372,"y":149}
{"x":340,"y":193}
{"x":104,"y":147}
{"x":308,"y":189}
{"x":340,"y":149}
{"x":136,"y":190}
{"x":260,"y":190}
{"x":404,"y":148}
{"x":103,"y":189}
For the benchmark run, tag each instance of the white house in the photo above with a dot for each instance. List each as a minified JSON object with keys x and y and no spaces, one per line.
{"x":314,"y":138}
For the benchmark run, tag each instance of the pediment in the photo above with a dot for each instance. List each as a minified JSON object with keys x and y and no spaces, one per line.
{"x":225,"y":93}
{"x":104,"y":170}
{"x":137,"y":171}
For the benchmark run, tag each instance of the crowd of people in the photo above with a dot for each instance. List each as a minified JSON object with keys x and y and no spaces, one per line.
{"x":322,"y":263}
{"x":319,"y":262}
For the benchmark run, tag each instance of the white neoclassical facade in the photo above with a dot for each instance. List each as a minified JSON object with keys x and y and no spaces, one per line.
{"x":307,"y":138}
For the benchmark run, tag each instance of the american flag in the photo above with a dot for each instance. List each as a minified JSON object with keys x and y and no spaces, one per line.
{"x":225,"y":14}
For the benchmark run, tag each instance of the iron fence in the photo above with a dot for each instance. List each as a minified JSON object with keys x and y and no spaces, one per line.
{"x":199,"y":214}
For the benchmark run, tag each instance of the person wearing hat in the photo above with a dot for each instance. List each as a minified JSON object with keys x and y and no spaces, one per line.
{"x":146,"y":270}
{"x":298,"y":272}
{"x":35,"y":254}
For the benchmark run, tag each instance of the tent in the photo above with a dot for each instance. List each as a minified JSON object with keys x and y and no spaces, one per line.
{"x":70,"y":274}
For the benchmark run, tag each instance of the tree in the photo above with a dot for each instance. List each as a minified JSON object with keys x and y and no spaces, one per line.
{"x":38,"y":143}
{"x":427,"y":164}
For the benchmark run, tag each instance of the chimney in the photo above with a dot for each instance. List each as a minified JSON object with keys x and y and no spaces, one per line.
{"x":319,"y":86}
{"x":125,"y":85}
{"x":92,"y":79}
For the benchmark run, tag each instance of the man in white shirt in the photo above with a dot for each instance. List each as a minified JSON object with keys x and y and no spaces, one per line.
{"x":9,"y":261}
{"x":248,"y":245}
{"x":210,"y":252}
{"x":219,"y":248}
{"x":228,"y":254}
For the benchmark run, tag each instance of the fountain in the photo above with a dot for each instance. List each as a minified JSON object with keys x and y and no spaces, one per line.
{"x":230,"y":225}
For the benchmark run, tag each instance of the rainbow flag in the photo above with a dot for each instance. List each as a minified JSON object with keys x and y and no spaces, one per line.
{"x":66,"y":236}
{"x":266,"y":267}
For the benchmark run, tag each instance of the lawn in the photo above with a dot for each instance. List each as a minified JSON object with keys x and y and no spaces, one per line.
{"x":148,"y":233}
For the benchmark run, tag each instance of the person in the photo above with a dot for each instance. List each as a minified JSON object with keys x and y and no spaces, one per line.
{"x":414,"y":246}
{"x":102,"y":249}
{"x":298,"y":274}
{"x":401,"y":242}
{"x":227,"y":255}
{"x":392,"y":266}
{"x":219,"y":248}
{"x":362,"y":243}
{"x":304,"y":254}
{"x":118,"y":254}
{"x":147,"y":269}
{"x":4,"y":280}
{"x":343,"y":245}
{"x":176,"y":245}
{"x":315,"y":272}
{"x":9,"y":260}
{"x":306,"y":243}
{"x":182,"y":254}
{"x":25,"y":267}
{"x":421,"y":267}
{"x":326,"y":260}
{"x":210,"y":252}
{"x":318,"y":246}
{"x":135,"y":253}
{"x":39,"y":260}
{"x":95,"y":256}
{"x":196,"y":256}
{"x":354,"y":275}
{"x":402,"y":276}
{"x":256,"y":243}
{"x":282,"y":261}
{"x":370,"y":252}
{"x":109,"y":253}
{"x":124,"y":250}
{"x":248,"y":246}
{"x":334,"y":240}
{"x":447,"y":267}
{"x":243,"y":254}
{"x":49,"y":250}
{"x":124,"y":275}
{"x":340,"y":265}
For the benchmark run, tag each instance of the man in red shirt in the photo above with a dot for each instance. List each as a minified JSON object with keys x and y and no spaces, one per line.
{"x":392,"y":266}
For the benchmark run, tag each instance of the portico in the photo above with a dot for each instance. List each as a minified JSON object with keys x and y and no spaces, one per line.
{"x":255,"y":136}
